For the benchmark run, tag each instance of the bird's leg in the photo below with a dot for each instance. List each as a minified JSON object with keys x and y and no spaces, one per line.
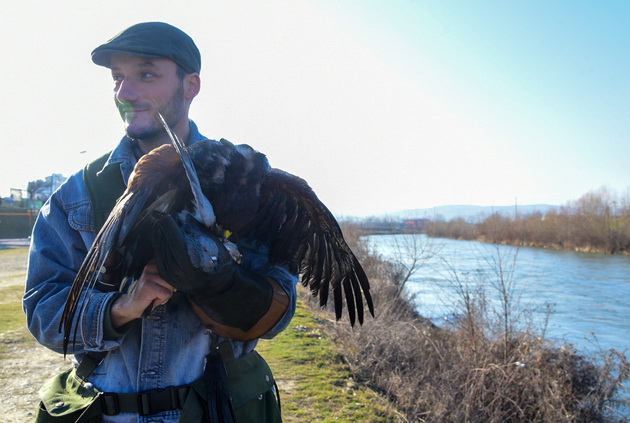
{"x":229,"y":245}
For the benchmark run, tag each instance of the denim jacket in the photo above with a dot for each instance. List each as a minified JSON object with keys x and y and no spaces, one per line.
{"x":167,"y":348}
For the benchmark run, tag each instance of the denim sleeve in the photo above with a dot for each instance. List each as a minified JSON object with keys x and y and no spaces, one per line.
{"x":60,"y":240}
{"x":256,"y":260}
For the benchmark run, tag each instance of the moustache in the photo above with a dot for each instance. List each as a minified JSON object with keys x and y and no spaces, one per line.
{"x":124,"y":108}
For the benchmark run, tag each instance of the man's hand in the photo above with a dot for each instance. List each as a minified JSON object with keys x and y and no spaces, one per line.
{"x":149,"y":288}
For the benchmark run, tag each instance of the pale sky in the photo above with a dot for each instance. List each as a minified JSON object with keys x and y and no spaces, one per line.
{"x":379,"y":105}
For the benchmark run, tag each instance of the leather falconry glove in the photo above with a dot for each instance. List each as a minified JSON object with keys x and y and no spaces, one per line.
{"x":229,"y":299}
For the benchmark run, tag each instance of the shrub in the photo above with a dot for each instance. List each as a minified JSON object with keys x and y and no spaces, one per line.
{"x":477,"y":368}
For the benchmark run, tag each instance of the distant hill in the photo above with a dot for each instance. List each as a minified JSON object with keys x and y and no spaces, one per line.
{"x":470,"y":213}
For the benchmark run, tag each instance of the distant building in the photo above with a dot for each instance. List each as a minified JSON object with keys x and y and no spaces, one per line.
{"x":41,"y":190}
{"x":415,"y":225}
{"x":18,"y":212}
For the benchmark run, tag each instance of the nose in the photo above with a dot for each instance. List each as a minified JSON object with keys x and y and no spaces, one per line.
{"x":125,"y":92}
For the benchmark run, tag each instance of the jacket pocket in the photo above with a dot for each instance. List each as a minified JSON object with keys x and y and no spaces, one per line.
{"x":80,"y":216}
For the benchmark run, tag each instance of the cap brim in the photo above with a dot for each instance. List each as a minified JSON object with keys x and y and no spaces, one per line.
{"x":103,"y":56}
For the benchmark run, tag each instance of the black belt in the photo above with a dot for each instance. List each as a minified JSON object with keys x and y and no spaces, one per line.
{"x":144,"y":403}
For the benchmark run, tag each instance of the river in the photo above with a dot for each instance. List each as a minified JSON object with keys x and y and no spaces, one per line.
{"x":588,"y":294}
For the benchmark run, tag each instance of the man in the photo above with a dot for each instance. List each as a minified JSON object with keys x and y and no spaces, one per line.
{"x":141,"y":366}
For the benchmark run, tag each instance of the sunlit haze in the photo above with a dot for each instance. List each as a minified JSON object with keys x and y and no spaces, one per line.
{"x":379,"y":105}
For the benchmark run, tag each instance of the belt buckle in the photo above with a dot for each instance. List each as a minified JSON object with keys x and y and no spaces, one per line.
{"x":144,"y":403}
{"x":109,"y":401}
{"x":159,"y":400}
{"x":156,"y":401}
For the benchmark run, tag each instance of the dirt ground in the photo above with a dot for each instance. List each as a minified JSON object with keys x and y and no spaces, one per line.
{"x":24,"y":364}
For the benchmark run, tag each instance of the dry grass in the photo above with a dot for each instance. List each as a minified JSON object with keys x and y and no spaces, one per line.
{"x":473,"y":370}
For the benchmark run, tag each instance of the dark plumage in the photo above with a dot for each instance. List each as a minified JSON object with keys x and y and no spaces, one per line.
{"x":249,"y":198}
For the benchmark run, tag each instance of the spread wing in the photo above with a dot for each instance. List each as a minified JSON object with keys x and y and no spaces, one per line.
{"x":306,"y":236}
{"x":264,"y":204}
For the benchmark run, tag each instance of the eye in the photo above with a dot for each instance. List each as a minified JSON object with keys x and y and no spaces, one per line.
{"x":148,"y":75}
{"x":117,"y":79}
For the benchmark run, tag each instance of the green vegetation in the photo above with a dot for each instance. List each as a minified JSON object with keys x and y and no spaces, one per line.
{"x":315,"y":382}
{"x":11,"y":315}
{"x":12,"y":274}
{"x":13,"y":253}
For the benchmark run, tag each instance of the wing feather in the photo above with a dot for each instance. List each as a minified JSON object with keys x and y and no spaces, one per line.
{"x":259,"y":203}
{"x":307,"y":237}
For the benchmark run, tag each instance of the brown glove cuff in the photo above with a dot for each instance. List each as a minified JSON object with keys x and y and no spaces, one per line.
{"x":279,"y":305}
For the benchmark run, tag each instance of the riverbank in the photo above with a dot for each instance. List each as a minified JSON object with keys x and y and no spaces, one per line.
{"x":597,"y":222}
{"x":482,"y":238}
{"x":488,"y":362}
{"x":549,"y":246}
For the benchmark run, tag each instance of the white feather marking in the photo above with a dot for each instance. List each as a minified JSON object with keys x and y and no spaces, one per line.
{"x":204,"y":212}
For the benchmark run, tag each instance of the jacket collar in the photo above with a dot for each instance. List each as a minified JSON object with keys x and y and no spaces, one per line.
{"x":124,"y":155}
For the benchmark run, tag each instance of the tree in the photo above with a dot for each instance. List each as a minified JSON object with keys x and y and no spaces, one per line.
{"x":42,"y":189}
{"x":37,"y":188}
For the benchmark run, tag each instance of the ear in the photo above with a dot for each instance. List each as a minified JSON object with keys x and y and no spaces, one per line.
{"x":192,"y":85}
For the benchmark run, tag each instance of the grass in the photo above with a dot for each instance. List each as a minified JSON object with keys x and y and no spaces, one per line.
{"x":315,"y":382}
{"x":12,"y":276}
{"x":11,"y":315}
{"x":9,"y":253}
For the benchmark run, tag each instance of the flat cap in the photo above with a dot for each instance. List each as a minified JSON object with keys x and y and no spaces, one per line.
{"x":152,"y":39}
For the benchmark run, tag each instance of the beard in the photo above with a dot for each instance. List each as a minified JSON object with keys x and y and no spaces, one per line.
{"x":151,"y":131}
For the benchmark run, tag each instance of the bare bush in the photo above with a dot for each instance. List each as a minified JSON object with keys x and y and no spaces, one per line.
{"x":482,"y":367}
{"x":599,"y":221}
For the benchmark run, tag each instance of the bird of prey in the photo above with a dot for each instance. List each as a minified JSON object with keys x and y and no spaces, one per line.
{"x":224,"y":187}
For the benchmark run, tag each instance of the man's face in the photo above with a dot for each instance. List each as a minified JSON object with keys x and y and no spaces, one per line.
{"x":144,"y":86}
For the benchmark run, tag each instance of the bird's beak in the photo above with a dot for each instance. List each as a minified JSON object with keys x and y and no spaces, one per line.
{"x":169,"y":131}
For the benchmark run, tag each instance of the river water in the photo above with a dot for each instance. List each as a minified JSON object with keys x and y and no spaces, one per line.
{"x":588,"y":294}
